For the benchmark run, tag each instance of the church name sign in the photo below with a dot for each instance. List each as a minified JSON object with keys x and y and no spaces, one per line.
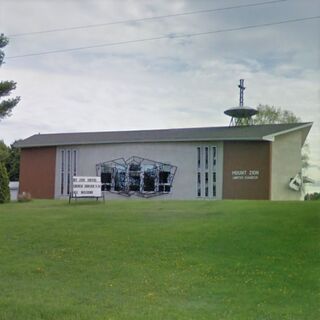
{"x":245,"y":174}
{"x":86,"y":187}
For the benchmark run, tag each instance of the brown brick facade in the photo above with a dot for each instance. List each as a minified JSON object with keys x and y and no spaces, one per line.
{"x":247,"y":170}
{"x":37,"y":172}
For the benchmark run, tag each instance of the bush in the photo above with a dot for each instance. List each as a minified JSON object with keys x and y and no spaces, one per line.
{"x":312,"y":196}
{"x":24,"y":197}
{"x":4,"y":184}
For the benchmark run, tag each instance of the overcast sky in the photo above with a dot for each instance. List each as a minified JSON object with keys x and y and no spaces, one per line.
{"x":185,"y":82}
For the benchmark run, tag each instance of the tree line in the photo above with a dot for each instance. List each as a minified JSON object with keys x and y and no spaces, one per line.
{"x":10,"y":157}
{"x":312,"y":196}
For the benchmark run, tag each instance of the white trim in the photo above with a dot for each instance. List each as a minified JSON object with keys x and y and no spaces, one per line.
{"x":271,"y":137}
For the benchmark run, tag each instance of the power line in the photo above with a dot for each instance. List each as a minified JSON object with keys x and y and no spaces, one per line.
{"x":144,"y":19}
{"x":170,"y":36}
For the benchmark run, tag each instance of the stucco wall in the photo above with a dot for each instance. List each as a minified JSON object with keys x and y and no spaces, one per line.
{"x":181,"y":154}
{"x":286,"y":163}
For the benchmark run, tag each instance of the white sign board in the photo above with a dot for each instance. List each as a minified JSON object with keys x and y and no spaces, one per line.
{"x":86,"y":187}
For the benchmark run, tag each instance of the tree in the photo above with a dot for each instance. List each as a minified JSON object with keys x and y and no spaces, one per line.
{"x":4,"y":184}
{"x":6,"y":106}
{"x":273,"y":115}
{"x":10,"y":156}
{"x":4,"y":152}
{"x":312,"y":196}
{"x":13,"y":162}
{"x":6,"y":87}
{"x":4,"y":180}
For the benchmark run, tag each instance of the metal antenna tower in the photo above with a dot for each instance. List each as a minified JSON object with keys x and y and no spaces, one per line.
{"x":242,"y":87}
{"x":241,"y":116}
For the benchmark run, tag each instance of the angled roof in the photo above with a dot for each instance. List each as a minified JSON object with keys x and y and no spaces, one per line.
{"x":254,"y":133}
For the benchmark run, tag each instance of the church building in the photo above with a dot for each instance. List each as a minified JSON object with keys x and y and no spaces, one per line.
{"x":235,"y":162}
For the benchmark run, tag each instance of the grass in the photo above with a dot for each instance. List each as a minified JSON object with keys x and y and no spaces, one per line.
{"x":159,"y":260}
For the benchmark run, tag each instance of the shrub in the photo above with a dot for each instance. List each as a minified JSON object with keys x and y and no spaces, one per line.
{"x":24,"y":197}
{"x":312,"y":196}
{"x":4,"y":184}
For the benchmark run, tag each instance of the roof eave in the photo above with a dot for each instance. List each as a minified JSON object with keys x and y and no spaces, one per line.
{"x":271,"y":137}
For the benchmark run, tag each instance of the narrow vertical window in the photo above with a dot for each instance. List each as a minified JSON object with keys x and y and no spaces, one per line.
{"x":74,"y":162}
{"x":214,"y":156}
{"x":62,"y":172}
{"x":214,"y":180}
{"x":199,"y":185}
{"x":214,"y":172}
{"x":206,"y":155}
{"x":199,"y":157}
{"x":206,"y":184}
{"x":68,"y":170}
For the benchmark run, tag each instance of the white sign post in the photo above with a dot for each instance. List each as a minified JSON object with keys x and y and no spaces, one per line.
{"x":86,"y":187}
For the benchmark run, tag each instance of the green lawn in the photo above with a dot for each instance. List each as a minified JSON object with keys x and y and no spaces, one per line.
{"x":160,"y":260}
